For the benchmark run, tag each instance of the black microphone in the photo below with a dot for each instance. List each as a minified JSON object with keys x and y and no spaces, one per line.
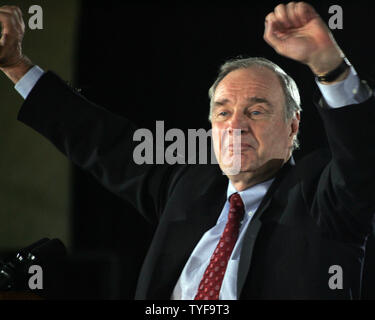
{"x":14,"y":272}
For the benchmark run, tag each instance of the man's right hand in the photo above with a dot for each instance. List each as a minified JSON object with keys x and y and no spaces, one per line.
{"x":12,"y":61}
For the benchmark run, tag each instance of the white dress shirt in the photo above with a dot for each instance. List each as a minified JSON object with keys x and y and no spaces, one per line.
{"x":187,"y":286}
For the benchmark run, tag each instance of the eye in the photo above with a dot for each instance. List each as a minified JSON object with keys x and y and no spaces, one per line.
{"x":222,"y":114}
{"x":257,"y":113}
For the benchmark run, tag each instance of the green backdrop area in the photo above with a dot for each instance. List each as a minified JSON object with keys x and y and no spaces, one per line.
{"x":34,"y":176}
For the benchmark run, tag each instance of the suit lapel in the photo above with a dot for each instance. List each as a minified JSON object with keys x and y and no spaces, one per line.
{"x":186,"y":229}
{"x":254,"y":227}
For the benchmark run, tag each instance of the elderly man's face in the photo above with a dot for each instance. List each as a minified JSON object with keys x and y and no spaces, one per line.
{"x":252,"y":101}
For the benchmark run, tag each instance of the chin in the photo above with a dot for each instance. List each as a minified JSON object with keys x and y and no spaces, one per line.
{"x":249,"y":163}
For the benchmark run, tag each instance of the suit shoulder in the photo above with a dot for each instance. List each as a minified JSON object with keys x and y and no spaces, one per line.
{"x":314,"y":162}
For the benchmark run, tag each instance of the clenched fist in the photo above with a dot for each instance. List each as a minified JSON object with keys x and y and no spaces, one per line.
{"x":12,"y":61}
{"x":296,"y":31}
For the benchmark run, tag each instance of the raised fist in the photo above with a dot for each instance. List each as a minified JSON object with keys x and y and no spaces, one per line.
{"x":12,"y":61}
{"x":296,"y":31}
{"x":13,"y":29}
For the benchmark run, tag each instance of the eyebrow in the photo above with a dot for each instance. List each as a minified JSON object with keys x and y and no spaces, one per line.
{"x":250,"y":101}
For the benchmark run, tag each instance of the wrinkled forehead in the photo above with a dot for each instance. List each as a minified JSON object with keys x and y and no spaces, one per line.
{"x":256,"y":81}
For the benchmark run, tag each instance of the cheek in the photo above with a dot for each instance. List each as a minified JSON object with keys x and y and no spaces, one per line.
{"x":221,"y":138}
{"x":217,"y":132}
{"x":273,"y":138}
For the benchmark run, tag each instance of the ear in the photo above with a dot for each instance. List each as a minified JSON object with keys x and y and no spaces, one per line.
{"x":294,"y":125}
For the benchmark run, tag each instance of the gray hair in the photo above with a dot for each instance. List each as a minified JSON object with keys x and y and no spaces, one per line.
{"x":289,"y":86}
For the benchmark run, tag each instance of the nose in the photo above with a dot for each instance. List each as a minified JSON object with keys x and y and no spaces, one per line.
{"x":238,"y":121}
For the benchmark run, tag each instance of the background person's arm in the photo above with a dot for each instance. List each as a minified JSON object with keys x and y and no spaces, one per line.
{"x":93,"y":138}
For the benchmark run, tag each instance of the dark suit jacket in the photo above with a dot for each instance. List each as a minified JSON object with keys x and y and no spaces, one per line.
{"x":316,"y":214}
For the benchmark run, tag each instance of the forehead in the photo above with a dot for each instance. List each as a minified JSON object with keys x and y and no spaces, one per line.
{"x":245,"y":83}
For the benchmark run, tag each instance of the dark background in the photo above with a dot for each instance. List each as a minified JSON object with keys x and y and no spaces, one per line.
{"x":151,"y":62}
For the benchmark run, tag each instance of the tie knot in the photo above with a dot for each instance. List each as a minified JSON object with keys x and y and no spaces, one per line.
{"x":236,"y":206}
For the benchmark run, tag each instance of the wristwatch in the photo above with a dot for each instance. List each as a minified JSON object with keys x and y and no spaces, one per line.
{"x":335,"y":73}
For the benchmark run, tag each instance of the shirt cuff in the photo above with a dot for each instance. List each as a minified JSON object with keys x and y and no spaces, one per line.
{"x":28,"y":81}
{"x":346,"y":92}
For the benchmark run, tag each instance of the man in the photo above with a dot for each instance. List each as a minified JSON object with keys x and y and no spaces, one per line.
{"x":276,"y":229}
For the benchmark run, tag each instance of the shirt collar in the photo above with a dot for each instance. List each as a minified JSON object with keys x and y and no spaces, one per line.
{"x":252,"y":196}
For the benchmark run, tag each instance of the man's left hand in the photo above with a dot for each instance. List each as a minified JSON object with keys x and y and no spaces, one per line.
{"x":296,"y":31}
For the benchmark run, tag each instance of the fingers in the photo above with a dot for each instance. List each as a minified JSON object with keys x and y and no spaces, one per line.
{"x":294,"y":14}
{"x":294,"y":18}
{"x":7,"y":22}
{"x":12,"y":25}
{"x":282,"y":16}
{"x":12,"y":11}
{"x":11,"y":19}
{"x":9,"y":13}
{"x":286,"y":18}
{"x":305,"y":12}
{"x":272,"y":30}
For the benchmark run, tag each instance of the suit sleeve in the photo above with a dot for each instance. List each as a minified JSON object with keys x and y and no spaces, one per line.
{"x":345,"y":196}
{"x":97,"y":141}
